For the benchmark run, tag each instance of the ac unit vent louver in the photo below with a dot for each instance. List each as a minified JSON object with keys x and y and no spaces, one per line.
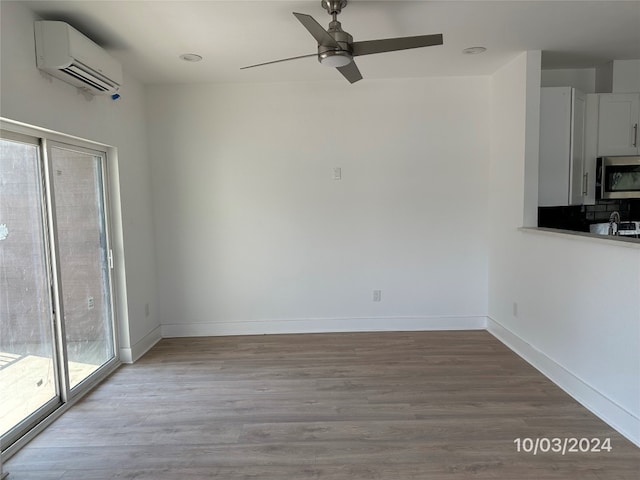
{"x":89,"y":77}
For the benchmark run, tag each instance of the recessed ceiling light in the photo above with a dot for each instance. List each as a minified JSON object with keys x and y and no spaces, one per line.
{"x":190,"y":57}
{"x":473,"y":50}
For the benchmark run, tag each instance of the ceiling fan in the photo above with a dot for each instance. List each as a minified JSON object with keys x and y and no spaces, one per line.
{"x":336,"y":47}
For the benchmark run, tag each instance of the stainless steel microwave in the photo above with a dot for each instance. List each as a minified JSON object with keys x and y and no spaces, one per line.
{"x":618,"y":177}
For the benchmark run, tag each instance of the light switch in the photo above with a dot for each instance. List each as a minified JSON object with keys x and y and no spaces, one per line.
{"x":337,"y":173}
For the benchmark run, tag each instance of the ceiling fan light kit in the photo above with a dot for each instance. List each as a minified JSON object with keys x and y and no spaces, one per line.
{"x":336,"y":47}
{"x":335,"y":59}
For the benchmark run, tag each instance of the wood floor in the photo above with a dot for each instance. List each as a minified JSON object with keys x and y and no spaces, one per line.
{"x":429,"y":405}
{"x":32,"y":378}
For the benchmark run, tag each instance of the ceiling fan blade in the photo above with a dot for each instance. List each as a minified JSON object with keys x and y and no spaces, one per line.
{"x":350,"y":72}
{"x":278,"y":61}
{"x":392,"y":44}
{"x":315,"y":29}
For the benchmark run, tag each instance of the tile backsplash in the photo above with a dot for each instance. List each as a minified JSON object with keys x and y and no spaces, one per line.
{"x":601,"y":211}
{"x":580,"y":217}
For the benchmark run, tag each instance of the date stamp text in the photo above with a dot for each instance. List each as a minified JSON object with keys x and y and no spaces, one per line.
{"x":562,"y":446}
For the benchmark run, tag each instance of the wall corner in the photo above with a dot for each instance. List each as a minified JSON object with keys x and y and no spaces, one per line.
{"x":532,"y":137}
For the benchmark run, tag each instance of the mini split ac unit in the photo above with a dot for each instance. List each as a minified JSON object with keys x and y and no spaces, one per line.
{"x":67,"y":54}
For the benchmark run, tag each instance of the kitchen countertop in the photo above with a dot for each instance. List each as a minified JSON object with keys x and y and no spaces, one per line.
{"x":586,"y":236}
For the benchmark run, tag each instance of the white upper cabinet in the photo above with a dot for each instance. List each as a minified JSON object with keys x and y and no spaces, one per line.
{"x":561,"y":172}
{"x":577,"y":186}
{"x":618,"y":124}
{"x":591,"y":149}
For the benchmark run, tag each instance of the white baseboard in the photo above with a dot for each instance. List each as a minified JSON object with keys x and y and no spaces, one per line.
{"x":130,"y":355}
{"x":606,"y":409}
{"x":324,"y":325}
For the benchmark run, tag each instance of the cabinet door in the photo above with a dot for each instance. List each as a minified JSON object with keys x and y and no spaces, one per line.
{"x":577,"y":190}
{"x":618,"y":124}
{"x":555,"y":146}
{"x":590,"y":149}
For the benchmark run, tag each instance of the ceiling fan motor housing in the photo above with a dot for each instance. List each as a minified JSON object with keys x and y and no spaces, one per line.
{"x":331,"y":56}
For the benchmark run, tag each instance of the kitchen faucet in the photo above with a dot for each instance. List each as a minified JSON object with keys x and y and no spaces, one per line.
{"x":614,"y":218}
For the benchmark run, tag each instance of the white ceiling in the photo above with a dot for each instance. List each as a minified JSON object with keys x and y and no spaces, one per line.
{"x":148,"y":36}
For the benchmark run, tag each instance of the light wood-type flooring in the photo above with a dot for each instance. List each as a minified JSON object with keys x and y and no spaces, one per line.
{"x":412,"y":405}
{"x":31,"y":380}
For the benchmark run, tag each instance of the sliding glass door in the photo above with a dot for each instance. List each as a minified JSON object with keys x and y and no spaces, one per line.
{"x":56,"y":312}
{"x":83,"y":258}
{"x":28,"y":373}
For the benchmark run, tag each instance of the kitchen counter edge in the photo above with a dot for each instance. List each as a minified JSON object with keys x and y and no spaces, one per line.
{"x":618,"y":241}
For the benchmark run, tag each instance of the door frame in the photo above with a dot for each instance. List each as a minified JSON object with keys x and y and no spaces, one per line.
{"x":67,"y":392}
{"x":27,"y":429}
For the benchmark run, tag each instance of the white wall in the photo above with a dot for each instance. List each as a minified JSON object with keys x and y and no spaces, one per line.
{"x":626,"y":76}
{"x":604,"y":78}
{"x":254,"y":236}
{"x":618,"y":76}
{"x":584,"y":79}
{"x":578,"y":300}
{"x":31,"y":97}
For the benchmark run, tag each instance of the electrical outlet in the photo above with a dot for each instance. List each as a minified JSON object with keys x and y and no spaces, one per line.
{"x":377,"y":295}
{"x":146,"y":310}
{"x":515,"y":309}
{"x":90,"y":303}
